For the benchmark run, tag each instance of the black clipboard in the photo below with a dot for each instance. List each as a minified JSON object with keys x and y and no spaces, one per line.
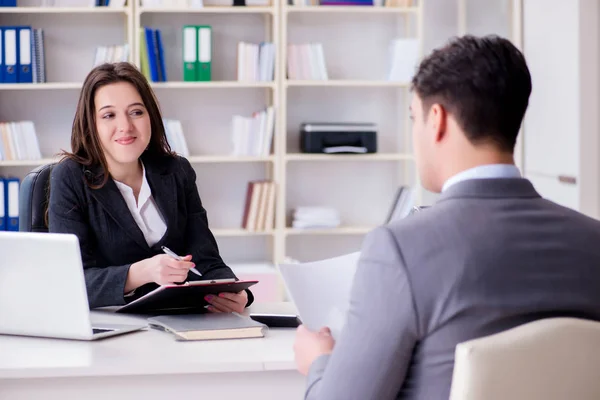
{"x":184,"y":298}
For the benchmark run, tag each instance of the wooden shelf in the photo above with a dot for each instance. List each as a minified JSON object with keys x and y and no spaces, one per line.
{"x":213,"y":85}
{"x":41,"y":86}
{"x":348,"y":230}
{"x":27,"y":163}
{"x":347,"y":83}
{"x":351,"y":9}
{"x":228,"y":159}
{"x":239,"y":232}
{"x":207,"y":10}
{"x":63,"y":10}
{"x":350,"y":157}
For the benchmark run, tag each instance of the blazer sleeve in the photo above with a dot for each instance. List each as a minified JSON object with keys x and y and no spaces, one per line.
{"x":67,"y":213}
{"x":374,"y":350}
{"x":201,"y":243}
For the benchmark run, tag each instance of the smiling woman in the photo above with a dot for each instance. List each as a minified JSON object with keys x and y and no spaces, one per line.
{"x":125,"y":194}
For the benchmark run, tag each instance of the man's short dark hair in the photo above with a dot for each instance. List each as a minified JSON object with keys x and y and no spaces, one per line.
{"x":483,"y":82}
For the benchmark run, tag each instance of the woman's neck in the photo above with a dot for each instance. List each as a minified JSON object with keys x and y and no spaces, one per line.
{"x":130,"y":175}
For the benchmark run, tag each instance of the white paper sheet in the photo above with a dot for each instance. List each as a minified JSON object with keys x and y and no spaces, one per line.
{"x":321,"y":290}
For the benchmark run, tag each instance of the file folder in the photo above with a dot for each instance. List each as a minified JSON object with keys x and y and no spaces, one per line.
{"x":11,"y":192}
{"x":11,"y":61}
{"x":8,"y":3}
{"x":190,"y":55}
{"x":1,"y":58}
{"x":204,"y":53}
{"x":152,"y":56}
{"x":162,"y":69}
{"x":25,"y":74}
{"x":2,"y":205}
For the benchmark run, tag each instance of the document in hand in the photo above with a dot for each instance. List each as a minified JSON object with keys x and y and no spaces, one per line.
{"x":321,"y":290}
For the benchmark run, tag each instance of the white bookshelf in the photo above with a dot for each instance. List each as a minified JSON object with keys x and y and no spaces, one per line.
{"x":356,"y":46}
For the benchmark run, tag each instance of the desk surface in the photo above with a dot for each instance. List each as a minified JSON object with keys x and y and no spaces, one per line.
{"x":146,"y":352}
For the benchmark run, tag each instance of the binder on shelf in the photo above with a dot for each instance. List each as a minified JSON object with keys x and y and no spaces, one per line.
{"x":1,"y":56}
{"x":204,"y":53}
{"x":152,"y":56}
{"x":11,"y":190}
{"x":25,"y":74}
{"x":145,"y":64}
{"x":190,"y":53}
{"x":2,"y":205}
{"x":162,"y":69}
{"x":11,"y":60}
{"x":8,"y":3}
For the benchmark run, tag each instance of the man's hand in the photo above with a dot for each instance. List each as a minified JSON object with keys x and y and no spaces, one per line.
{"x":311,"y":345}
{"x":227,"y":302}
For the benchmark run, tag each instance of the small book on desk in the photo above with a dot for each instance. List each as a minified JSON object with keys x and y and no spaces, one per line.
{"x":183,"y":298}
{"x":209,"y":326}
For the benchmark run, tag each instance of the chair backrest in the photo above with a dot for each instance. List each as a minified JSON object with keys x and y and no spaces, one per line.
{"x":33,"y":199}
{"x":548,"y":359}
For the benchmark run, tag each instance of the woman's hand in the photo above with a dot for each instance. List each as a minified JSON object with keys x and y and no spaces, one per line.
{"x":227,"y":302}
{"x":161,"y":269}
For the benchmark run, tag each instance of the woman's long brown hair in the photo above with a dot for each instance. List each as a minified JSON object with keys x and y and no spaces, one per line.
{"x":85,"y":144}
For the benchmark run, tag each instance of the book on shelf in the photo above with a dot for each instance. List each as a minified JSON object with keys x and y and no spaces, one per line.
{"x":197,"y":53}
{"x":306,"y":62}
{"x":256,"y":62}
{"x":152,"y":55}
{"x":19,"y":141}
{"x":253,"y":136}
{"x":173,"y":3}
{"x":375,"y":3}
{"x":259,"y":208}
{"x":404,"y":59}
{"x":111,"y":54}
{"x":22,"y":55}
{"x":175,"y":137}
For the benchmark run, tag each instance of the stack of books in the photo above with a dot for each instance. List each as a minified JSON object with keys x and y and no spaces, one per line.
{"x":23,"y":55}
{"x":256,"y":62}
{"x":152,"y":55}
{"x":259,"y":208}
{"x":316,"y":218}
{"x":175,"y":137}
{"x":306,"y":62}
{"x":111,"y":54}
{"x":253,"y":136}
{"x":19,"y":141}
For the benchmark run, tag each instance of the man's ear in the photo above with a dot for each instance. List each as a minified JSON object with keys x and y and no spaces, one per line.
{"x":438,"y":121}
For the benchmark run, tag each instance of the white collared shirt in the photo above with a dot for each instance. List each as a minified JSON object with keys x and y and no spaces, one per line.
{"x":490,"y":171}
{"x":144,"y":212}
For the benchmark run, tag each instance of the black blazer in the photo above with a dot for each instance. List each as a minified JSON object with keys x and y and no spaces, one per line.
{"x":110,"y":239}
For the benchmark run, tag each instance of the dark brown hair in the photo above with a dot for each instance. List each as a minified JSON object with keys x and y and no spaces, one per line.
{"x":483,"y":82}
{"x":85,"y":144}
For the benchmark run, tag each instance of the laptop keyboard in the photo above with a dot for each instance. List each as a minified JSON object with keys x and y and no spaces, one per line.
{"x":95,"y":330}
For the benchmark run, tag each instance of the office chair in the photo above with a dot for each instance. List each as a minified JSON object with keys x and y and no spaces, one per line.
{"x":33,"y":199}
{"x":548,"y":359}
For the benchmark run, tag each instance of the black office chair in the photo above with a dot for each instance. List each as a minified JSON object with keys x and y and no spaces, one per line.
{"x":33,"y":199}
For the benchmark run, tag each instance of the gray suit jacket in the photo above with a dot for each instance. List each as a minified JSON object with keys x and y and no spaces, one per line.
{"x":491,"y":254}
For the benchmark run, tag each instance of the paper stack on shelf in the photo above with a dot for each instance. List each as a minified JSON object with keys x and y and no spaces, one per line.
{"x":316,"y":217}
{"x":175,"y":137}
{"x":253,"y":136}
{"x":256,"y":62}
{"x":404,"y":56}
{"x":306,"y":62}
{"x":111,"y":54}
{"x":18,"y":141}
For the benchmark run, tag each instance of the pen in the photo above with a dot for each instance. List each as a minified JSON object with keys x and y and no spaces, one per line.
{"x":175,"y":256}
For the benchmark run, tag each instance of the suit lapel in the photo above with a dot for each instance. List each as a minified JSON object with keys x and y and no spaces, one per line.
{"x":163,"y":187}
{"x":114,"y":204}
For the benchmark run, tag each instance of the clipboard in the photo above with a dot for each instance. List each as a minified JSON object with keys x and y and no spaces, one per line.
{"x":184,"y":298}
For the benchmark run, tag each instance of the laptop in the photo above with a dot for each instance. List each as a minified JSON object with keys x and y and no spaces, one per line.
{"x":42,"y":289}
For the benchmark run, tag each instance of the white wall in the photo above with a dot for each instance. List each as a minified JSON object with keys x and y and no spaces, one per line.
{"x":560,"y":40}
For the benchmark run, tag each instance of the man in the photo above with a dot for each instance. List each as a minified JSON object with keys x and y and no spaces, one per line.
{"x":491,"y":254}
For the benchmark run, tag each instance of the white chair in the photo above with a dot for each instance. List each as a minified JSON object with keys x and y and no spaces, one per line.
{"x":548,"y":359}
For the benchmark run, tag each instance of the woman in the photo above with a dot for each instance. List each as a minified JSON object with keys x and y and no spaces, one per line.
{"x":125,"y":195}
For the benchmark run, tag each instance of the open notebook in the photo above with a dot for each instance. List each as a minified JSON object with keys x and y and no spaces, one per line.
{"x":209,"y":326}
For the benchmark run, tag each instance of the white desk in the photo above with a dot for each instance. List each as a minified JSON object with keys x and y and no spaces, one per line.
{"x":150,"y":365}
